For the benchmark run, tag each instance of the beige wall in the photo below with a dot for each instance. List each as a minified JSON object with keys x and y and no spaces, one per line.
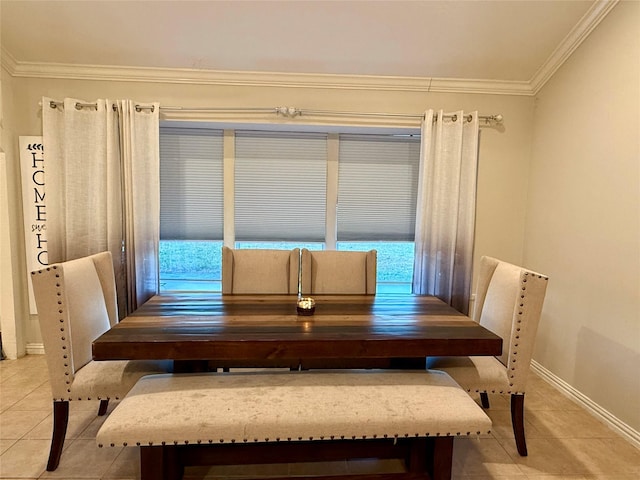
{"x":583,"y":216}
{"x":13,"y":313}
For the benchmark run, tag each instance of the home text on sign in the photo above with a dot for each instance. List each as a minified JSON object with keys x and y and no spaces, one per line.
{"x":32,"y":162}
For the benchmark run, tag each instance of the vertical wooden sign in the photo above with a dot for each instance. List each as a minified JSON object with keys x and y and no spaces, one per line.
{"x":32,"y":166}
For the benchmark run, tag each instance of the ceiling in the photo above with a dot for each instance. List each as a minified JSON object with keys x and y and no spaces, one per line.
{"x":493,"y":40}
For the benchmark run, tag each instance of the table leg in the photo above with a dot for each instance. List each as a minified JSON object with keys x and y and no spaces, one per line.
{"x":190,"y":366}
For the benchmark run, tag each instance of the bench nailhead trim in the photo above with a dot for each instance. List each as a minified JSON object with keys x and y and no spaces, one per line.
{"x":332,"y":437}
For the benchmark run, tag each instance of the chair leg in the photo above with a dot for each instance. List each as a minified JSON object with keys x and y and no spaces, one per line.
{"x":484,"y":399}
{"x":60,"y":420}
{"x":102,"y":409}
{"x":517,"y":420}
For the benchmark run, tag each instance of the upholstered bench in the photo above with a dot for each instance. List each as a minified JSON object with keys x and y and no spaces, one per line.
{"x":286,"y":417}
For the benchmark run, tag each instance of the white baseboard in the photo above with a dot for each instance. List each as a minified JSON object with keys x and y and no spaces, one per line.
{"x":35,"y":349}
{"x":596,"y":410}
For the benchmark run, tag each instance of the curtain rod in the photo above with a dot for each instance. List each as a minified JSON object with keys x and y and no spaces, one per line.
{"x":284,"y":111}
{"x":80,"y":105}
{"x":296,"y":112}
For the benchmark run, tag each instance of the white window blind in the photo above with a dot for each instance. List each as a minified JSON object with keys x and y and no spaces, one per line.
{"x":191,"y":184}
{"x":377,"y":187}
{"x":280,"y":186}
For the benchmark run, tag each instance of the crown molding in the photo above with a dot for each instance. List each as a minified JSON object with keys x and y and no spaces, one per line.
{"x":574,"y":38}
{"x":8,"y":61}
{"x":263,"y":79}
{"x":480,"y":86}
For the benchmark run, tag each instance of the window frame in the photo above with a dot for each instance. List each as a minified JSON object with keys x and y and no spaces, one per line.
{"x":332,"y":164}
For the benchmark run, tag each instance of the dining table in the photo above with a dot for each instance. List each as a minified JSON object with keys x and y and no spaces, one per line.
{"x":198,"y":330}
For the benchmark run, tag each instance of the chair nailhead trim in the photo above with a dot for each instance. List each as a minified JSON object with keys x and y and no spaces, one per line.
{"x":71,"y":399}
{"x":63,"y":338}
{"x":515,"y":342}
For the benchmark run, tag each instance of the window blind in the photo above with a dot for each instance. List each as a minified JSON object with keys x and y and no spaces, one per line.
{"x":377,"y":187}
{"x":280,"y":186}
{"x":191,"y":184}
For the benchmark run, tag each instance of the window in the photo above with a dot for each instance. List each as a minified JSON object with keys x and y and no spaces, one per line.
{"x":377,"y":189}
{"x":191,"y":208}
{"x":287,"y":189}
{"x":280,"y":186}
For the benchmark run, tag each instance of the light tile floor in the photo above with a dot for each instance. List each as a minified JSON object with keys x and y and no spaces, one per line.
{"x":564,"y":441}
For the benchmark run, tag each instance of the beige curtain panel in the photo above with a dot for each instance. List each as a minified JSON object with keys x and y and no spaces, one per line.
{"x":102,"y":187}
{"x":446,"y":206}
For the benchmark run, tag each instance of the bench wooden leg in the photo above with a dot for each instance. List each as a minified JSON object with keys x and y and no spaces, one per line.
{"x":425,"y":458}
{"x":441,"y":460}
{"x":60,"y":421}
{"x":417,"y":457}
{"x":160,"y":463}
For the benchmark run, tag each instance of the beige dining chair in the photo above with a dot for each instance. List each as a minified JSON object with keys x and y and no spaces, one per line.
{"x":76,"y":302}
{"x":338,"y":272}
{"x":260,"y":271}
{"x":508,"y":302}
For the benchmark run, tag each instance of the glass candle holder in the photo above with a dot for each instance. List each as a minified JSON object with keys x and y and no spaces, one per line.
{"x":306,"y":306}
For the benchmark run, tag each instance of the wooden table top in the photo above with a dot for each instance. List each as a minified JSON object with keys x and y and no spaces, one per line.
{"x":259,"y":329}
